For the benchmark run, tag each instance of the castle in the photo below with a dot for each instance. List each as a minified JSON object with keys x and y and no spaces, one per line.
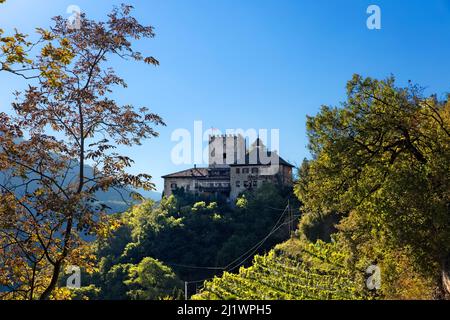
{"x":232,"y":169}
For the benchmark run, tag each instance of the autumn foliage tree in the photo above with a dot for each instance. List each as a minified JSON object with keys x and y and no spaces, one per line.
{"x":63,"y":121}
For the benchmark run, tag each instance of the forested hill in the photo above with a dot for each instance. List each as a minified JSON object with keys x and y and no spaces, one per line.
{"x":183,"y":238}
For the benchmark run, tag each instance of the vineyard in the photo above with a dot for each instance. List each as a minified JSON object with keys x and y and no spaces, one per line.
{"x":312,"y":272}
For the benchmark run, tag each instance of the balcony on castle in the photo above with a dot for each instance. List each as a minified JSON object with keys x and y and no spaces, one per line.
{"x":214,"y":187}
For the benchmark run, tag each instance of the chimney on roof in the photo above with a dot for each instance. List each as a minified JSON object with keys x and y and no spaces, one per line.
{"x":195,"y":166}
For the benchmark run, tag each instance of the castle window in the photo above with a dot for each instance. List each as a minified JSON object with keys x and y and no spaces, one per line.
{"x":238,"y":170}
{"x":238,"y":184}
{"x":255,"y":170}
{"x":246,"y":184}
{"x":173,"y":186}
{"x":255,"y":183}
{"x":246,"y":170}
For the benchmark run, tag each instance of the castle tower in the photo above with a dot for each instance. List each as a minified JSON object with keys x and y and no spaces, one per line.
{"x":225,"y":150}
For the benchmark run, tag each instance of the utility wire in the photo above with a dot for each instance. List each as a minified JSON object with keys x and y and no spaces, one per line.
{"x":275,"y":229}
{"x":279,"y":209}
{"x":193,"y":267}
{"x":260,"y":243}
{"x":226,"y":267}
{"x":238,"y":264}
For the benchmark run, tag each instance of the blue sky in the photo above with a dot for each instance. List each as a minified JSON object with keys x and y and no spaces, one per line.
{"x":257,"y":63}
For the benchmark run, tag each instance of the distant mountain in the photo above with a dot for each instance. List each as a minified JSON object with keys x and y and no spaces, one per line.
{"x":116,"y":201}
{"x":153,"y":195}
{"x":113,"y":199}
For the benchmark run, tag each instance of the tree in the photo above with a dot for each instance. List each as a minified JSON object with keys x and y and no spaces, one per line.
{"x":64,"y":120}
{"x":151,"y":280}
{"x":382,"y":162}
{"x":14,"y":53}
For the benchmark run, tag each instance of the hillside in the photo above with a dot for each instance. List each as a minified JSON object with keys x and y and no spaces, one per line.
{"x":294,"y":270}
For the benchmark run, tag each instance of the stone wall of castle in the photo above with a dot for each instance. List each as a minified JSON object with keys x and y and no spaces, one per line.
{"x":225,"y":150}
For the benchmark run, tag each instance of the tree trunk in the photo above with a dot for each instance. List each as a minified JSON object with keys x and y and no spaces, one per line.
{"x":48,"y":291}
{"x":446,"y":277}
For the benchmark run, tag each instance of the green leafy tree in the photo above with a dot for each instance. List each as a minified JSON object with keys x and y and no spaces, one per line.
{"x":152,"y":280}
{"x":382,"y":161}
